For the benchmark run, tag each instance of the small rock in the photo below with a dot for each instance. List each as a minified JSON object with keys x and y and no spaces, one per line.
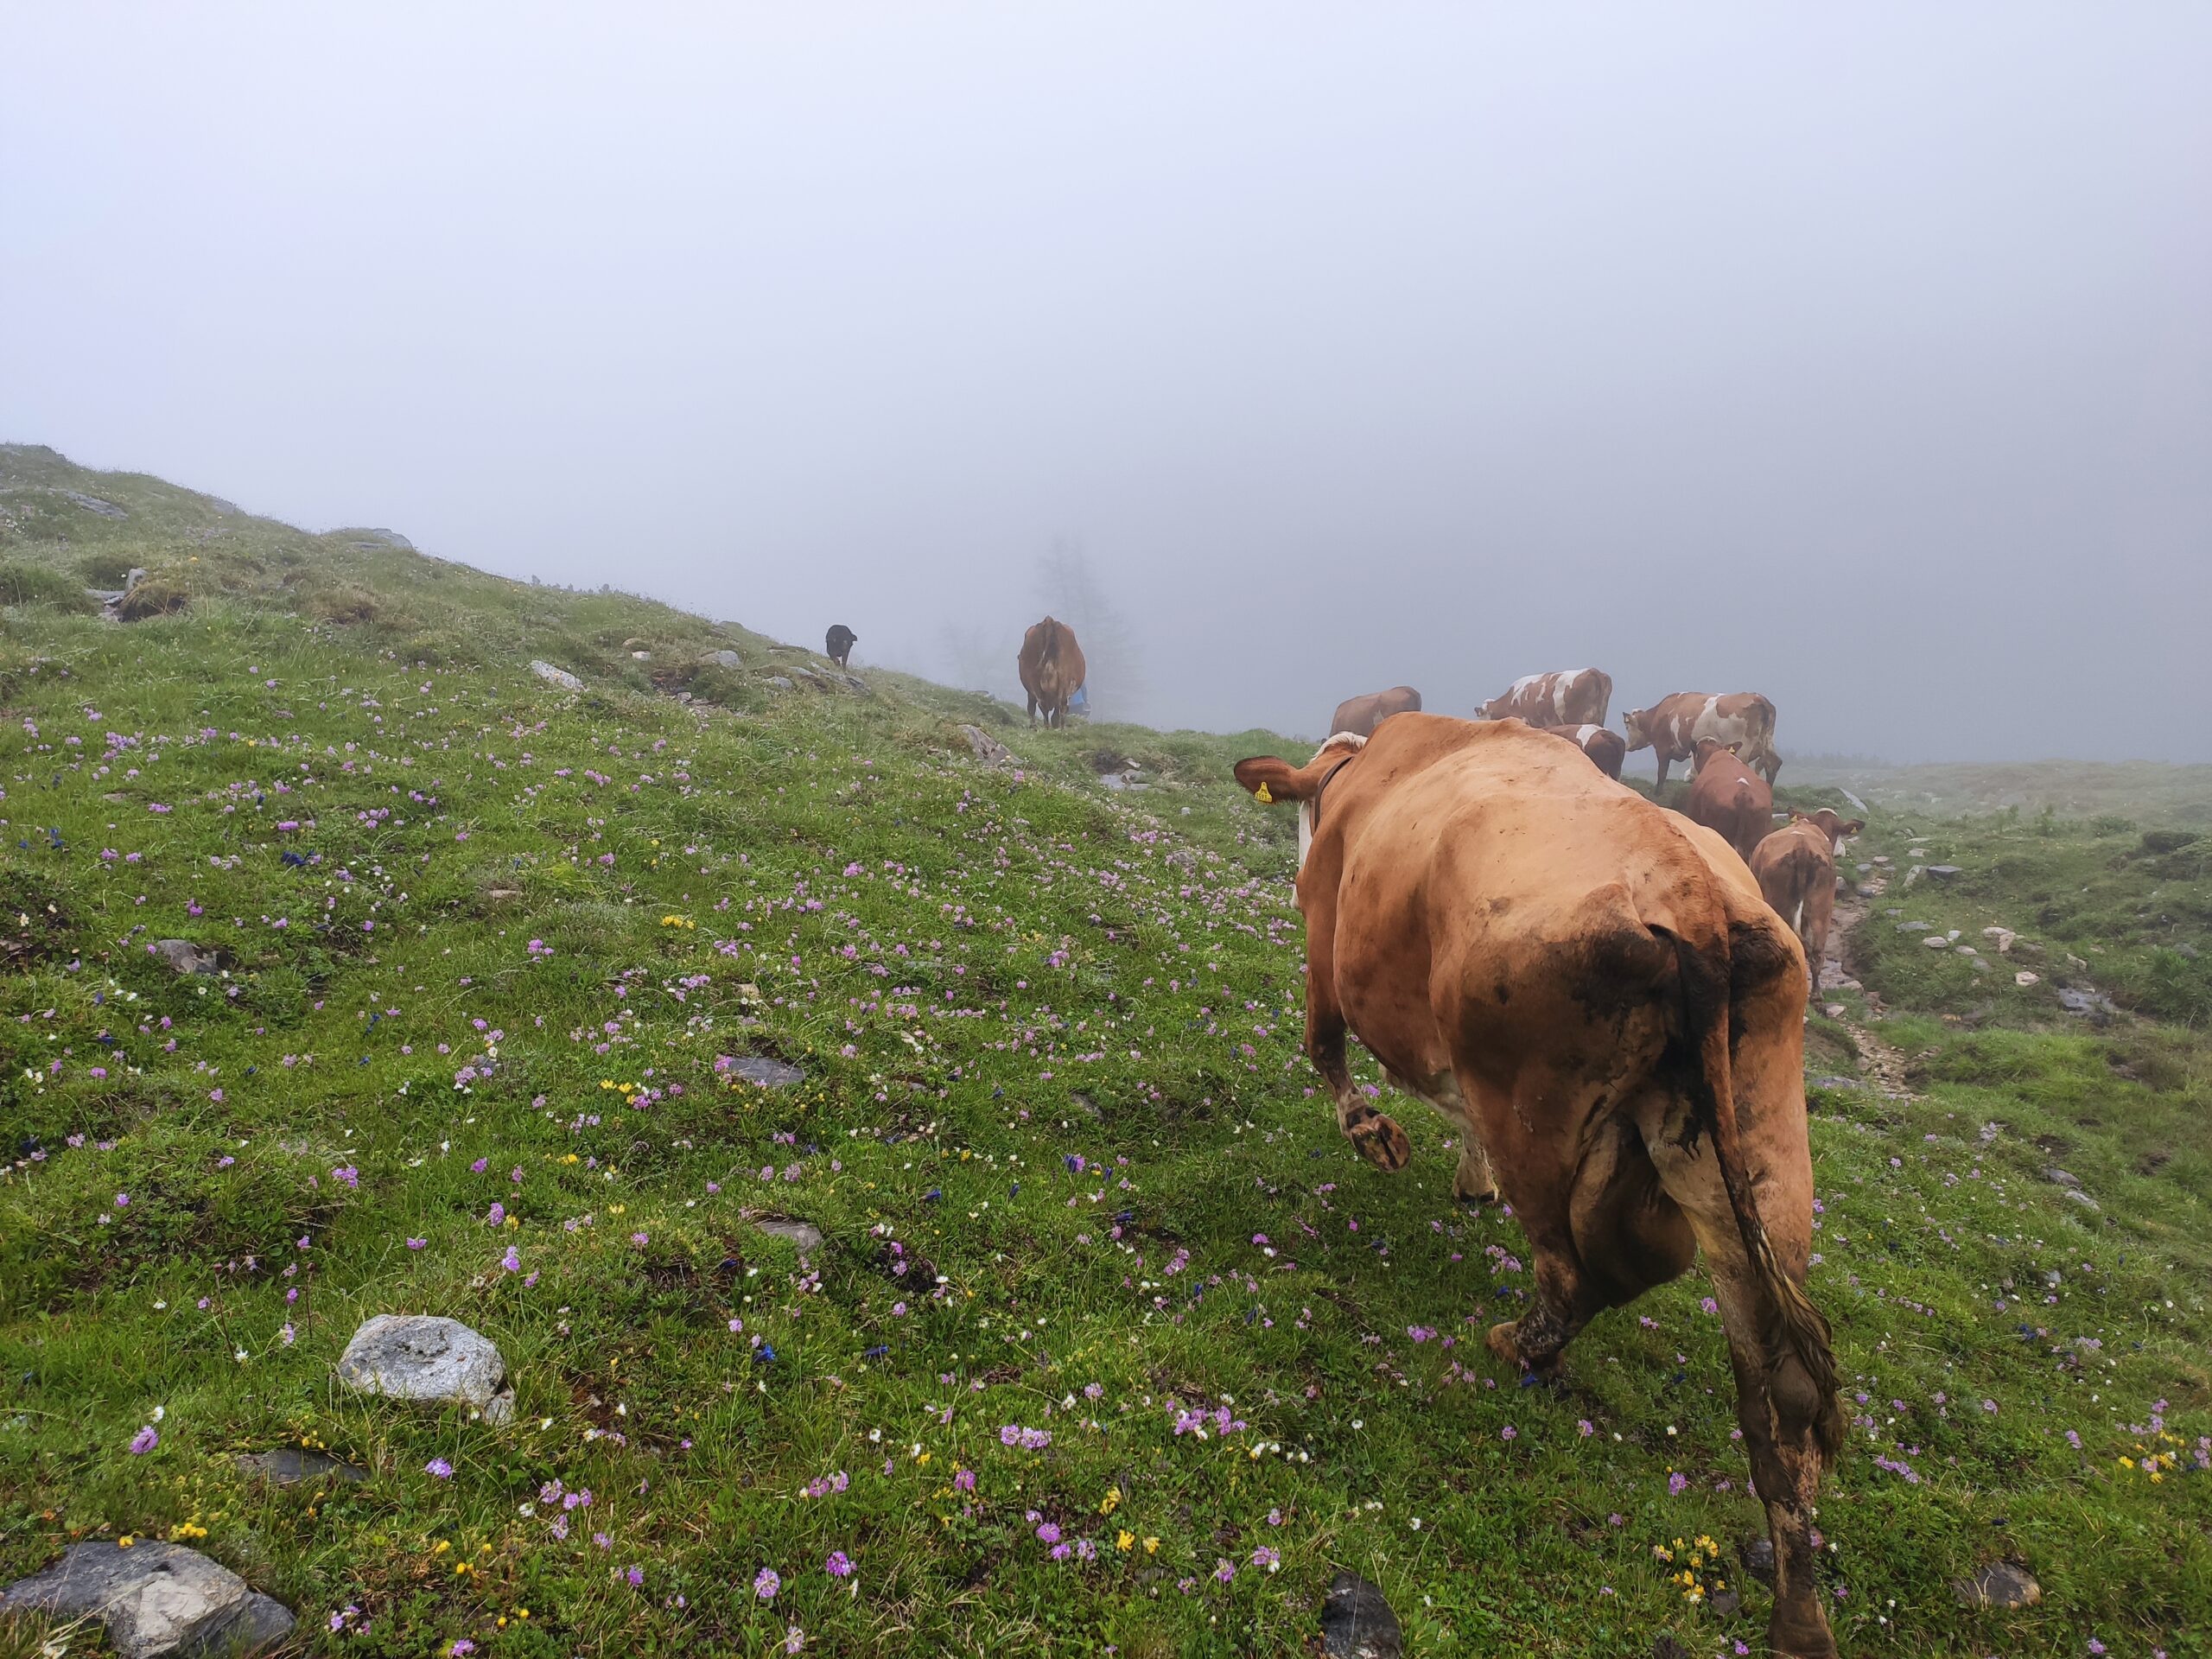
{"x":1663,"y":1646}
{"x":93,"y":504}
{"x":1879,"y":858}
{"x":1726,"y":1603}
{"x":780,"y":682}
{"x":422,"y":1357}
{"x":1356,"y":1623}
{"x":2002,"y":937}
{"x":769,"y":1074}
{"x":2026,"y":976}
{"x":1941,"y":872}
{"x":288,"y":1465}
{"x":1833,"y":1010}
{"x":804,"y":1233}
{"x":186,"y":958}
{"x":1914,"y":874}
{"x":2093,"y":1006}
{"x":2078,"y":1196}
{"x":1838,"y":1083}
{"x":156,"y":1600}
{"x":1915,"y":927}
{"x":1936,"y":942}
{"x":559,"y":677}
{"x":721,"y":659}
{"x":1868,"y":890}
{"x":987,"y":748}
{"x":2001,"y":1584}
{"x":642,"y":656}
{"x":385,"y":538}
{"x":2058,"y":1177}
{"x":1758,"y":1556}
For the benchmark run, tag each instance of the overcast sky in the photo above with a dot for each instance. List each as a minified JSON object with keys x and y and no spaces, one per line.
{"x":1858,"y":355}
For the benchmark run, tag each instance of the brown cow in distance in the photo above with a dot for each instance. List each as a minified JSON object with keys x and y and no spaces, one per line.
{"x":1361,"y":715}
{"x":1594,"y":990}
{"x":1796,"y":869}
{"x":1052,"y":670}
{"x":1672,"y":726}
{"x":1606,"y":748}
{"x":1729,"y":798}
{"x":1573,"y":697}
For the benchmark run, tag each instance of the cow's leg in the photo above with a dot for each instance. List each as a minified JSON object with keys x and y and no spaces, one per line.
{"x":1664,"y":763}
{"x":1472,"y":1182}
{"x":1777,"y":1406}
{"x":1374,"y":1135}
{"x":1032,"y":697}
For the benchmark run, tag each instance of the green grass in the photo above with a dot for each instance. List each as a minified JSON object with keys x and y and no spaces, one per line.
{"x":405,"y":844}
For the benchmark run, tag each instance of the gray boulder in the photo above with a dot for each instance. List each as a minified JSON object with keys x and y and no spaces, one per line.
{"x":987,"y":748}
{"x":422,"y":1357}
{"x":2001,"y":1584}
{"x":804,"y":1233}
{"x":1356,"y":1623}
{"x":384,"y":538}
{"x":721,"y":659}
{"x":93,"y":504}
{"x":184,"y":957}
{"x":781,"y":683}
{"x":155,"y":1600}
{"x":559,"y":677}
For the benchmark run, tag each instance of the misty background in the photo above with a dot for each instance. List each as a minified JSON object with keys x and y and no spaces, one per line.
{"x":1862,"y":357}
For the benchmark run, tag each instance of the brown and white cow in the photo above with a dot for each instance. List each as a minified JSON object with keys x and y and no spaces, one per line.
{"x":1573,"y":697}
{"x":1606,"y":748}
{"x":1594,"y":990}
{"x":1051,"y":669}
{"x":1361,"y":715}
{"x":1673,"y":725}
{"x":1796,"y":869}
{"x":1729,"y":798}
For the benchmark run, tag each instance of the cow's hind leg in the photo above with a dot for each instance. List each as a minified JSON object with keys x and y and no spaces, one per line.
{"x":1473,"y":1182}
{"x":1374,"y":1136}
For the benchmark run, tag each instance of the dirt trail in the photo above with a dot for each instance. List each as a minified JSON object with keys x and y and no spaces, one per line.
{"x":1881,"y":1062}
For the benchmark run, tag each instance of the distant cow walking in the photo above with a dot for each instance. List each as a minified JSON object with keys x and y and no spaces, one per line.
{"x":1606,"y":748}
{"x":839,"y":643}
{"x":1728,"y":798}
{"x":1672,"y":726}
{"x":1796,"y":867}
{"x":1574,"y":696}
{"x":1361,"y":715}
{"x":1052,"y":670}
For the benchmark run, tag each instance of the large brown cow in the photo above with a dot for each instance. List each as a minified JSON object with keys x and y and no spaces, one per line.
{"x":1592,"y":988}
{"x":1673,"y":725}
{"x":1361,"y":715}
{"x":1051,"y":669}
{"x":1573,"y":696}
{"x":1606,"y":748}
{"x":1729,"y":798}
{"x":1796,"y":869}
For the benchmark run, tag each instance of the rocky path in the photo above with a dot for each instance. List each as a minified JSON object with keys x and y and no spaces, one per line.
{"x":1882,"y":1066}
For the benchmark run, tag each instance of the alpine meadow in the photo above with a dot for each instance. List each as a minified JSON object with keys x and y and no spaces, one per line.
{"x":874,"y":1133}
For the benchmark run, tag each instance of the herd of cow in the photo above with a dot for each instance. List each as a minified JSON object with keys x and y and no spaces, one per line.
{"x":1605,"y":999}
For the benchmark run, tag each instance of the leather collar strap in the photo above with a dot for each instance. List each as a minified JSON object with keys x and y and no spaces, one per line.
{"x":1324,"y":783}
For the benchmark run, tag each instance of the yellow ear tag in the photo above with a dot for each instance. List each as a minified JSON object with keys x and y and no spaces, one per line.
{"x":1261,"y":796}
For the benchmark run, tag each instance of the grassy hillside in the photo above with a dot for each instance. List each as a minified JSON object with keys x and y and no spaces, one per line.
{"x":1111,"y":1341}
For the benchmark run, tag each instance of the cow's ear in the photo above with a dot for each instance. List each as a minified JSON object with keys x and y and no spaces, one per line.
{"x":1267,"y":779}
{"x":1854,"y":827}
{"x":1736,"y":748}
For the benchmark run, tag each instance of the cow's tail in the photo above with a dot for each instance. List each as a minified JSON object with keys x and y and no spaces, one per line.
{"x":1795,"y":1331}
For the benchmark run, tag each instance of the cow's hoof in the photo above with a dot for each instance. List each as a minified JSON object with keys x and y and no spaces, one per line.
{"x":1502,"y":1341}
{"x":1805,"y":1636}
{"x":1477,"y":1200}
{"x":1382,"y":1142}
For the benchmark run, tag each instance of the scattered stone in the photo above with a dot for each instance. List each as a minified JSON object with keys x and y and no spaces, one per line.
{"x":1868,"y":890}
{"x":1941,"y":872}
{"x":2001,"y":1584}
{"x":769,"y":1074}
{"x":2026,"y":976}
{"x":1838,"y":1082}
{"x":1936,"y":942}
{"x":156,"y":1600}
{"x":780,"y":682}
{"x":1881,"y":858}
{"x":559,"y":677}
{"x":288,"y":1465}
{"x":2002,"y":937}
{"x":1726,"y":1603}
{"x":1914,"y":874}
{"x":1663,"y":1646}
{"x":1833,"y":1010}
{"x":2093,"y":1006}
{"x":1356,"y":1623}
{"x":2058,"y":1177}
{"x":384,"y":538}
{"x":422,"y":1356}
{"x":642,"y":656}
{"x":804,"y":1233}
{"x":2079,"y":1197}
{"x":1916,"y":927}
{"x":184,"y":957}
{"x":1758,"y":1556}
{"x":721,"y":659}
{"x":93,"y":504}
{"x":987,"y":748}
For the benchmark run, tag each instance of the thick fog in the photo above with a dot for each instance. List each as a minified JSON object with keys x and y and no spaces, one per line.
{"x":1861,"y":356}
